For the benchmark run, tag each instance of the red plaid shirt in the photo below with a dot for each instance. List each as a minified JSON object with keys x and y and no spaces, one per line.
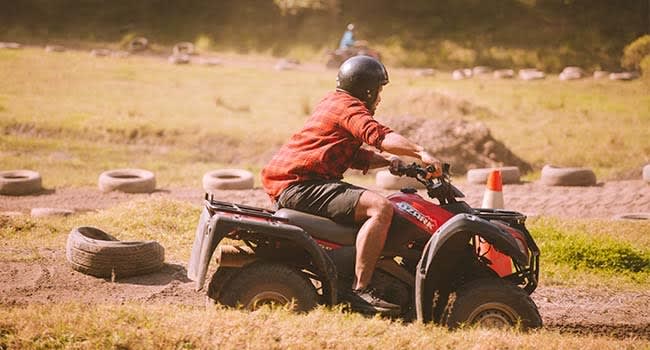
{"x":328,"y":144}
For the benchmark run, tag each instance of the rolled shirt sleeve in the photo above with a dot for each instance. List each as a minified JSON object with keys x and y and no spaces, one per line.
{"x":363,"y":126}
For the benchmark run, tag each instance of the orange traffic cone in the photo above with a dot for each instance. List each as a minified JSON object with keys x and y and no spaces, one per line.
{"x":493,"y":196}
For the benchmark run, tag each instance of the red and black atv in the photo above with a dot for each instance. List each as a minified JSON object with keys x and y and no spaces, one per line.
{"x":446,"y":263}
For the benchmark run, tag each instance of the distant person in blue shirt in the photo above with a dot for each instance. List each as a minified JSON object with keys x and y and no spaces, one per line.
{"x":347,"y":40}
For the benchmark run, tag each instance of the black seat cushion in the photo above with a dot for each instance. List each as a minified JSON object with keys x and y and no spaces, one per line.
{"x":320,"y":227}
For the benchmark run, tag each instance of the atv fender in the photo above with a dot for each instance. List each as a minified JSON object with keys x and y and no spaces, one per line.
{"x":444,"y":249}
{"x":212,"y":229}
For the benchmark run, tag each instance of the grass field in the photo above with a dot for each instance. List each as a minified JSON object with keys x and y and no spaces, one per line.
{"x":174,"y":327}
{"x":71,"y":116}
{"x":76,"y":115}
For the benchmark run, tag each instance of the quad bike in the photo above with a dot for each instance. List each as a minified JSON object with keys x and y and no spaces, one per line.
{"x":336,"y":57}
{"x":446,"y":263}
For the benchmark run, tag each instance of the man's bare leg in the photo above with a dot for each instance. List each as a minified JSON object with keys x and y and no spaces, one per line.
{"x":371,"y":237}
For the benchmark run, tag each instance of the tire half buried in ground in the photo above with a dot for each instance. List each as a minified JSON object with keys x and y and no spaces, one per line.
{"x":127,"y":180}
{"x":20,"y":182}
{"x":557,"y":176}
{"x":94,"y":252}
{"x":509,"y":175}
{"x":228,"y":179}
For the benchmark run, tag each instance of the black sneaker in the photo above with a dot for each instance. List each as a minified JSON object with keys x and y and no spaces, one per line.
{"x":365,"y":300}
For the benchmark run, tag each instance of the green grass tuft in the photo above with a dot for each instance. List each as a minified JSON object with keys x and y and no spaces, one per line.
{"x":608,"y":255}
{"x":597,"y":249}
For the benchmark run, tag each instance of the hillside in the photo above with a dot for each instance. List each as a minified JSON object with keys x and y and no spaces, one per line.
{"x":549,"y":34}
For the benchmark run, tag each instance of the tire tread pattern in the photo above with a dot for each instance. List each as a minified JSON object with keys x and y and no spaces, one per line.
{"x":93,"y":252}
{"x":484,"y":290}
{"x":277,"y":277}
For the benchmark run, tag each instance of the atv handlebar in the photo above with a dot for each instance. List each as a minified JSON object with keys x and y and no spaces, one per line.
{"x":436,"y":181}
{"x":423,"y":173}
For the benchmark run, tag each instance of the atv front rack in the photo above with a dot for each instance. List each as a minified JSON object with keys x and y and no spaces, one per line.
{"x":529,"y":276}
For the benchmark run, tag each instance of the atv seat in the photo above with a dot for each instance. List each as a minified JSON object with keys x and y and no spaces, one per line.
{"x":320,"y":227}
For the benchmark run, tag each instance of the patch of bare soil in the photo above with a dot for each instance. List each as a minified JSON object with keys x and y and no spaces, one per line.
{"x":50,"y":279}
{"x":594,"y":311}
{"x":620,"y":314}
{"x":466,"y":145}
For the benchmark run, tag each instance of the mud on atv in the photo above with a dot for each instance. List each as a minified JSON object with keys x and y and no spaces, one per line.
{"x":446,"y":263}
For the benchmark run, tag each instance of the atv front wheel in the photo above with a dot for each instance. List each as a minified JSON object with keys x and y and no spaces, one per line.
{"x":493,"y":303}
{"x":263,"y":283}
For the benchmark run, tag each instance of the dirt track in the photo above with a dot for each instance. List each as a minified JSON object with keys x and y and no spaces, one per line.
{"x":605,"y":200}
{"x":620,"y":314}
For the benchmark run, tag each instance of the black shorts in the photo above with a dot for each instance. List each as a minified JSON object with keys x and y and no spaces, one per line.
{"x":336,"y":200}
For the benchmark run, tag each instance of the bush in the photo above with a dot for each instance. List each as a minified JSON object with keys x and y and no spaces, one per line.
{"x":645,"y":68}
{"x":635,"y":52}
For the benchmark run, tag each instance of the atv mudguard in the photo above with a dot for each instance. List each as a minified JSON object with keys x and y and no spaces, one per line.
{"x":213,"y":228}
{"x":446,"y":246}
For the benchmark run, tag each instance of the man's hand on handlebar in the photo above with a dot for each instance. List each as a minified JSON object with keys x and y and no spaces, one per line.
{"x":429,"y":159}
{"x":396,"y":166}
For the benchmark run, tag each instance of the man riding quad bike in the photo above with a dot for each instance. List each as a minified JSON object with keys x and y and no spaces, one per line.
{"x":304,"y":179}
{"x":349,"y":47}
{"x":434,"y":264}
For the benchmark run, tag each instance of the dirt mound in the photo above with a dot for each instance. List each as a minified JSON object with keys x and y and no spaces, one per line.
{"x":433,"y":103}
{"x":465,"y":145}
{"x":439,"y":122}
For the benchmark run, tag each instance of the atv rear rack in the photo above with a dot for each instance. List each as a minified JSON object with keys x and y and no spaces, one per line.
{"x":215,"y":206}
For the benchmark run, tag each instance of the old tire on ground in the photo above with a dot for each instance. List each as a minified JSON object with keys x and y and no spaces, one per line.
{"x":94,"y":252}
{"x":531,"y":74}
{"x":632,"y":216}
{"x":100,"y":52}
{"x":183,"y":48}
{"x":493,"y":303}
{"x":127,"y":180}
{"x":179,"y":59}
{"x":504,"y":74}
{"x":556,"y":176}
{"x":384,"y":179}
{"x":138,"y":44}
{"x":228,"y":179}
{"x":265,"y":283}
{"x":45,"y":212}
{"x":54,"y":48}
{"x":646,"y":173}
{"x":20,"y":182}
{"x":509,"y":175}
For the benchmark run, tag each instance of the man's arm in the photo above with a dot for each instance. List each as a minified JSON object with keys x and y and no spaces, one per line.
{"x":399,"y":145}
{"x":378,"y":161}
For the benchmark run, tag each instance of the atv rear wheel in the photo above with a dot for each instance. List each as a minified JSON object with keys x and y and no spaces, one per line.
{"x":493,"y":303}
{"x":262,"y":284}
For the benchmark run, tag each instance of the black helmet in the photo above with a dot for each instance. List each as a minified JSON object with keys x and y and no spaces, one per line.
{"x":361,"y":76}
